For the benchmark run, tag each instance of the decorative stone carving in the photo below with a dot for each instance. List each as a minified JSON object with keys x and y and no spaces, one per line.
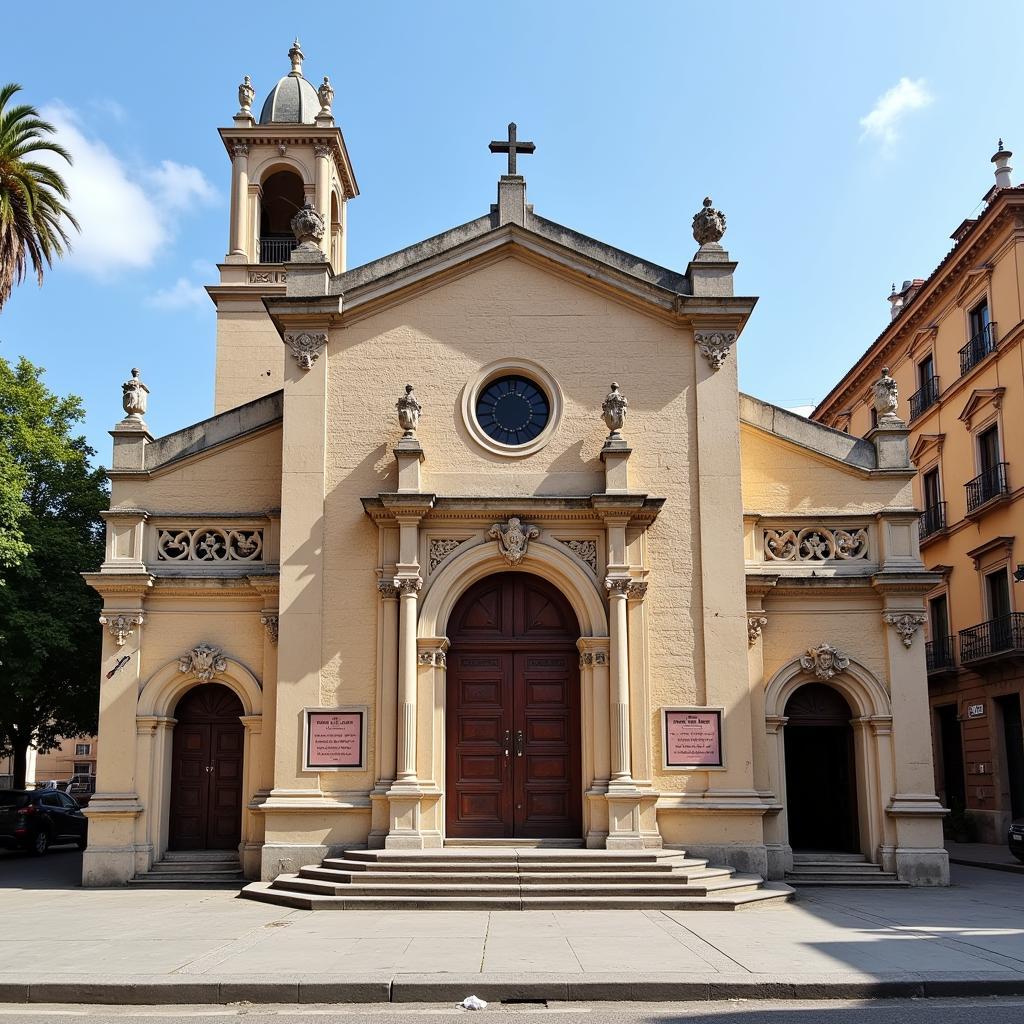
{"x":203,"y":661}
{"x":408,"y":584}
{"x":246,"y":94}
{"x":326,"y":94}
{"x":271,"y":623}
{"x":513,"y":539}
{"x":637,"y":590}
{"x":308,"y":226}
{"x":585,"y":551}
{"x":387,"y":589}
{"x":121,"y":626}
{"x":306,"y":346}
{"x":614,"y":410}
{"x":708,"y":224}
{"x":409,"y":410}
{"x":815,"y":544}
{"x":239,"y":148}
{"x":593,"y":658}
{"x":906,"y":624}
{"x":886,"y":396}
{"x":296,"y":56}
{"x":714,"y":345}
{"x":824,"y":661}
{"x":618,"y":585}
{"x":209,"y":544}
{"x":435,"y":658}
{"x":134,"y":396}
{"x":322,"y":149}
{"x":755,"y":623}
{"x":438,"y":550}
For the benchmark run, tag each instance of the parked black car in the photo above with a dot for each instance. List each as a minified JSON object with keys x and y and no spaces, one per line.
{"x":1015,"y":839}
{"x":36,"y":819}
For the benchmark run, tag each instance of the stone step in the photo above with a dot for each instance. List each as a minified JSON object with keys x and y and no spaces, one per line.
{"x":773,"y":894}
{"x":851,"y":882}
{"x":231,"y":856}
{"x":513,"y":855}
{"x":296,"y":883}
{"x":512,"y":866}
{"x":827,"y":865}
{"x":190,"y":867}
{"x":817,"y":856}
{"x":698,"y":871}
{"x":187,"y":880}
{"x":497,"y":844}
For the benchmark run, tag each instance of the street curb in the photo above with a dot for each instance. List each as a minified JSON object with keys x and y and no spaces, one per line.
{"x":1013,"y":869}
{"x":450,"y":988}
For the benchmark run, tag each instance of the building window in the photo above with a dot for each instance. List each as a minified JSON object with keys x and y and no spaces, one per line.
{"x":991,"y":480}
{"x":83,"y":768}
{"x":83,"y":749}
{"x":512,"y":410}
{"x":997,"y":592}
{"x":933,"y":518}
{"x":874,"y":416}
{"x":927,"y":393}
{"x":939,"y":650}
{"x":982,"y":338}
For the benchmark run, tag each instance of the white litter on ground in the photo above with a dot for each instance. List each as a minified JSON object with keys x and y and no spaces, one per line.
{"x":473,"y":1003}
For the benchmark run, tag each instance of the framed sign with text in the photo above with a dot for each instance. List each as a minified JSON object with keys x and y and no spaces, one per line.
{"x":691,"y":739}
{"x":334,"y":739}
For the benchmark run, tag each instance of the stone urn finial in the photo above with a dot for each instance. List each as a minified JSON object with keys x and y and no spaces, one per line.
{"x":708,"y":225}
{"x":326,"y":94}
{"x":246,"y":94}
{"x":133,"y":397}
{"x":614,"y":410}
{"x":409,"y":410}
{"x":296,"y":56}
{"x":308,"y":227}
{"x":886,"y":396}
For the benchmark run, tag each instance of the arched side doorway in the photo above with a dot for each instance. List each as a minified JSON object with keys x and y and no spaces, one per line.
{"x":821,"y":778}
{"x":206,"y":770}
{"x":513,"y":756}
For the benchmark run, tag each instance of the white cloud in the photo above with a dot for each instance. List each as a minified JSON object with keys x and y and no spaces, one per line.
{"x":802,"y":410}
{"x":883,"y":122}
{"x":127,"y":215}
{"x":183,"y":294}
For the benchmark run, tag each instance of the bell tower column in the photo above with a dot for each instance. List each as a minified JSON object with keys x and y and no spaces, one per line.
{"x":239,"y":203}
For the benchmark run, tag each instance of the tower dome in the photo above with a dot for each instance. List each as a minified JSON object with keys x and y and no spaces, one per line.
{"x":293,"y":100}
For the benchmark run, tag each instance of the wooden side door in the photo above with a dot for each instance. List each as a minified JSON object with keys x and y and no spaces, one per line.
{"x":224,"y":814}
{"x":190,"y":786}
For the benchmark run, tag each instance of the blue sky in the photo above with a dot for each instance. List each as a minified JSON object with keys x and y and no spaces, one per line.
{"x":843,"y":142}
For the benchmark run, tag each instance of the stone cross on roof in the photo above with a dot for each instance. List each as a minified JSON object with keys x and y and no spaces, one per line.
{"x":512,"y":147}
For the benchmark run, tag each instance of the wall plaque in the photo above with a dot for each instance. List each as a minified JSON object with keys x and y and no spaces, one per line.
{"x":975,"y":710}
{"x":335,"y":739}
{"x":692,"y":738}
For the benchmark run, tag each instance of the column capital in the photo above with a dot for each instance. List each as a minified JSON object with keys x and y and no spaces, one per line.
{"x":755,"y":623}
{"x":387,"y":589}
{"x":121,"y":625}
{"x":405,"y":585}
{"x":618,"y":586}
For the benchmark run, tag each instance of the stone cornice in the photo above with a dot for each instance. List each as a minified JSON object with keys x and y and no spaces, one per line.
{"x":120,"y":584}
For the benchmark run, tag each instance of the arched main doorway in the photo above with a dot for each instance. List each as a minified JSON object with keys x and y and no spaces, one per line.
{"x":206,"y":770}
{"x":821,"y":781}
{"x":513,"y":712}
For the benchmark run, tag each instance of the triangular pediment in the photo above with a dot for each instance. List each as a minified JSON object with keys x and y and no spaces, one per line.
{"x":980,"y":398}
{"x":925,"y":444}
{"x":972,"y":279}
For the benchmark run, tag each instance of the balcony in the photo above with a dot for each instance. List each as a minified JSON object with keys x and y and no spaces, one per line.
{"x":932,"y":520}
{"x":986,"y":486}
{"x":1002,"y":636}
{"x":276,"y":250}
{"x":977,"y":348}
{"x":940,"y":655}
{"x":924,"y":398}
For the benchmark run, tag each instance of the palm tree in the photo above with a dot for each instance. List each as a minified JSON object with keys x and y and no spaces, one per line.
{"x":32,"y":195}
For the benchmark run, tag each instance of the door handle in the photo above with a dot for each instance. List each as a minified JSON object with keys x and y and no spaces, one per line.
{"x":519,"y":742}
{"x":508,"y":741}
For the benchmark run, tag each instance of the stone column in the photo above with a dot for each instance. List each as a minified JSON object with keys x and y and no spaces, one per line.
{"x":408,"y":587}
{"x":251,"y":840}
{"x":594,"y":653}
{"x":618,"y":590}
{"x":387,"y":712}
{"x":323,"y":191}
{"x":238,"y":250}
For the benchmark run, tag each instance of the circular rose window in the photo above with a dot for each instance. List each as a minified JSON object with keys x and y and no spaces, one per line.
{"x":512,"y":410}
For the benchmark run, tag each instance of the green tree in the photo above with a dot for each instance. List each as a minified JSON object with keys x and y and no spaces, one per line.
{"x":49,"y":637}
{"x":33,"y":195}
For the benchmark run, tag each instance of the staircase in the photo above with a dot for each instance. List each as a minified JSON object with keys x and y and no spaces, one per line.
{"x":186,"y":869}
{"x":493,"y":877}
{"x":833,"y":869}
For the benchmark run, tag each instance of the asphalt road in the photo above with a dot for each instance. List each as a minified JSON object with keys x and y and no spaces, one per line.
{"x":917,"y":1011}
{"x":59,"y":868}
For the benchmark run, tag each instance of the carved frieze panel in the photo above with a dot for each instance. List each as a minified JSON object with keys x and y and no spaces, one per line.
{"x":440,"y":548}
{"x":585,"y":551}
{"x":815,"y":544}
{"x":209,"y":544}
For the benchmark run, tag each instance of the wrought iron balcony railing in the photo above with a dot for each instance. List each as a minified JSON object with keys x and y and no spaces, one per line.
{"x":931,"y":520}
{"x":276,"y":250}
{"x":1004,"y":635}
{"x":940,"y":654}
{"x":925,"y":397}
{"x":978,"y":347}
{"x":986,"y":486}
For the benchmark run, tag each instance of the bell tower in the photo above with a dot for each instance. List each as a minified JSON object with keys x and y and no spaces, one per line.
{"x":294,"y":154}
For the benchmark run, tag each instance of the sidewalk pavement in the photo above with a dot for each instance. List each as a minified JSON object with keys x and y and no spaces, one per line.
{"x":984,"y":855}
{"x":206,"y":946}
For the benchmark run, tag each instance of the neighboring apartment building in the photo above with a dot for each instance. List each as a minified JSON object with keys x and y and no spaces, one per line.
{"x":72,"y":759}
{"x":954,"y":347}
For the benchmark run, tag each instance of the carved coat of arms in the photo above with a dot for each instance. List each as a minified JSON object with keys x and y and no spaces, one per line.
{"x":513,"y":539}
{"x":203,"y":661}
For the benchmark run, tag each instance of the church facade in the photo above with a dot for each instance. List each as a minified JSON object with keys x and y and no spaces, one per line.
{"x":427,"y":577}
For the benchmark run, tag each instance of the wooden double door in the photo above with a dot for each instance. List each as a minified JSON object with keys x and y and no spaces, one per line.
{"x":513,"y":713}
{"x":206,"y":770}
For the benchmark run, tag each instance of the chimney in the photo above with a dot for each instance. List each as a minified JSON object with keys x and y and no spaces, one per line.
{"x":1003,"y":168}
